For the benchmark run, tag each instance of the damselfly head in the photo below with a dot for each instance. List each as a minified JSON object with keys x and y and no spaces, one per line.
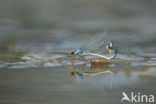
{"x":71,"y":53}
{"x":72,"y":73}
{"x":108,"y":47}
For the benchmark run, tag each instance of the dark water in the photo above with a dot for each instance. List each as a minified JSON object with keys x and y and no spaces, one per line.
{"x":35,"y":41}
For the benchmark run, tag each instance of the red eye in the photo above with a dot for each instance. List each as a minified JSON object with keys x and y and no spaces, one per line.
{"x":71,"y":53}
{"x":72,"y":73}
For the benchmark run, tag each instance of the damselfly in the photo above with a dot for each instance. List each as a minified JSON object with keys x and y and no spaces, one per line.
{"x":103,"y":44}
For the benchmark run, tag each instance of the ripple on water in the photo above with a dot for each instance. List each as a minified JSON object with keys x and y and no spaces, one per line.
{"x":153,"y":58}
{"x":53,"y":60}
{"x":147,"y":54}
{"x":129,"y":57}
{"x":42,"y":56}
{"x":144,"y":63}
{"x":152,"y":71}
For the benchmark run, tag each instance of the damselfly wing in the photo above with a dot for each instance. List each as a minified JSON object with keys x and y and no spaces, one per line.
{"x":97,"y":46}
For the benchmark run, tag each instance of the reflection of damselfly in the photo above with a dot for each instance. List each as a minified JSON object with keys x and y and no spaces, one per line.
{"x":103,"y":45}
{"x":91,"y":74}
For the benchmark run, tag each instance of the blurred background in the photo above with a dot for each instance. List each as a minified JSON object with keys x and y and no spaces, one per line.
{"x":56,"y":23}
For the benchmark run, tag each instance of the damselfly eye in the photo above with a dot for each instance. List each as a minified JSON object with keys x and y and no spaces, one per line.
{"x":71,"y":53}
{"x":72,"y":73}
{"x":107,"y":47}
